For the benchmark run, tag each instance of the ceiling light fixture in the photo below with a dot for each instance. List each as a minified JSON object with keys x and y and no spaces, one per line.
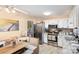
{"x":47,"y":13}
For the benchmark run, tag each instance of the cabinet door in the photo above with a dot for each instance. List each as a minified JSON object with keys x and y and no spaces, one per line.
{"x":60,"y":42}
{"x":63,"y":24}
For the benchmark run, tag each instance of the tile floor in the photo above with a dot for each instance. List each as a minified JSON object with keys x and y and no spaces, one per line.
{"x":48,"y":49}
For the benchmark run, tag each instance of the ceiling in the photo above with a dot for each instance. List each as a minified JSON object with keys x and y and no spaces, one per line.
{"x":38,"y":10}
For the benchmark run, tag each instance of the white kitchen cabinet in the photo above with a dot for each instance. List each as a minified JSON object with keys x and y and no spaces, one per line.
{"x":60,"y":41}
{"x":73,"y":20}
{"x":63,"y":23}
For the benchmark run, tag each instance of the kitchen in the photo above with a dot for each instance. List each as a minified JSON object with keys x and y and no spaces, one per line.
{"x":57,"y":30}
{"x":66,"y":28}
{"x":39,"y":29}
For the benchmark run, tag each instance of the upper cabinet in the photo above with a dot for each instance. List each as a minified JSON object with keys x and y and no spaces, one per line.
{"x":73,"y":20}
{"x":62,"y":23}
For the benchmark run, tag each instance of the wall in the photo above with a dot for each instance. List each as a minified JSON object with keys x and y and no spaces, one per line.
{"x":7,"y":35}
{"x":16,"y":16}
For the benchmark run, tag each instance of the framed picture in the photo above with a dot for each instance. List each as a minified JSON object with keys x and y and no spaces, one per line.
{"x":9,"y":25}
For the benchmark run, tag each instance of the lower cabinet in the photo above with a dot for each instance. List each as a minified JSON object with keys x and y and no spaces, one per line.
{"x":60,"y":41}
